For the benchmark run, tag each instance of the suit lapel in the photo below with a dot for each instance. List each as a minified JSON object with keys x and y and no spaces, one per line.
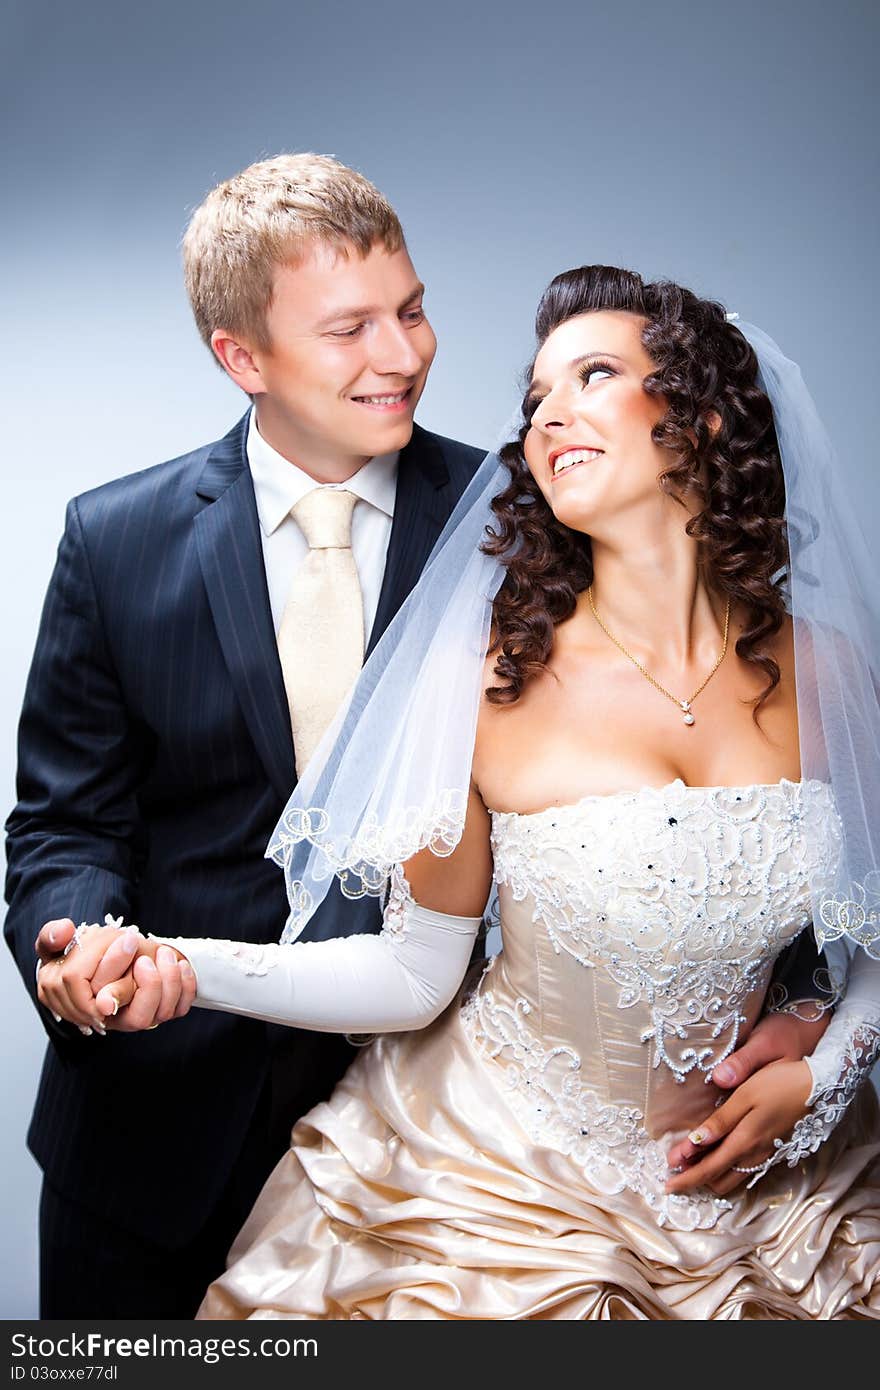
{"x":231,"y":556}
{"x":422,"y":505}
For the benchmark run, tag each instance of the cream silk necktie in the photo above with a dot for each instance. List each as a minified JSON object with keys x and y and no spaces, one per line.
{"x":321,"y":637}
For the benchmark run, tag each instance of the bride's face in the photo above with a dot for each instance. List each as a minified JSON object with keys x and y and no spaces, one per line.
{"x":589,"y":447}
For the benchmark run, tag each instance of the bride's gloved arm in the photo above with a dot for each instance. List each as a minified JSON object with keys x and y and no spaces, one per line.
{"x":400,"y":979}
{"x":840,"y":1062}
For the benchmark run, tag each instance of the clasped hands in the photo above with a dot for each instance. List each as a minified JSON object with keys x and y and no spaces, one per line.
{"x":112,"y":979}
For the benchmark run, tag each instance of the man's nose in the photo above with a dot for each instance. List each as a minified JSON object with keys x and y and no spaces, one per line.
{"x":393,"y":350}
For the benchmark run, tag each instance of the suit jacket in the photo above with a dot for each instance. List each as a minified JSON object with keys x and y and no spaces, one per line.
{"x":155,"y":756}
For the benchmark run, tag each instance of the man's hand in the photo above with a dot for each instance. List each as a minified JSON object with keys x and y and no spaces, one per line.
{"x":775,"y":1038}
{"x":160,"y":986}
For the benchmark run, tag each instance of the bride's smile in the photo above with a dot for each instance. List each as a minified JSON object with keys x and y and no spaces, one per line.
{"x":590,"y":446}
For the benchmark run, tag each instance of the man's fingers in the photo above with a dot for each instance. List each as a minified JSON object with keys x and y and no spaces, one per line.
{"x":187,"y":989}
{"x":141,"y":1012}
{"x":79,"y":967}
{"x":116,"y":961}
{"x":775,"y":1037}
{"x":53,"y":937}
{"x":75,"y":974}
{"x":169,"y":974}
{"x":746,"y":1060}
{"x":115,"y":996}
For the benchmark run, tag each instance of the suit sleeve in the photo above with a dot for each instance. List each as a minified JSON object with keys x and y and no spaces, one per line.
{"x":72,"y":837}
{"x":801,"y":980}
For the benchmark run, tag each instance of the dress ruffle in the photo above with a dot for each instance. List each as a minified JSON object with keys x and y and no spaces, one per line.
{"x":415,"y":1193}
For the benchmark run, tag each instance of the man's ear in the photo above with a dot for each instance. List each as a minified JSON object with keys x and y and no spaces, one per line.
{"x":237,"y":361}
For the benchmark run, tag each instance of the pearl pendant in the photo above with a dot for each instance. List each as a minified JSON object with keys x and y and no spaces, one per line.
{"x":688,"y":717}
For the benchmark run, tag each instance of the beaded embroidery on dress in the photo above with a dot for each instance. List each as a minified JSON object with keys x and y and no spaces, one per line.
{"x":676,"y":900}
{"x":509,"y":1161}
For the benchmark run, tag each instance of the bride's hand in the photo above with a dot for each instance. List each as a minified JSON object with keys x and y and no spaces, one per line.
{"x":161,"y":985}
{"x":740,"y":1133}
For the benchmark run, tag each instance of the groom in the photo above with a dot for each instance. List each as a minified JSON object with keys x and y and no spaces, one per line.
{"x":155,"y":747}
{"x":180,"y":680}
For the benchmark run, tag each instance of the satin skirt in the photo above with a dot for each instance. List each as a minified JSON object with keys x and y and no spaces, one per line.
{"x":414,"y":1192}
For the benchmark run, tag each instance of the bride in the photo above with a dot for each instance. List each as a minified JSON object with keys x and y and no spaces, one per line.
{"x":640,"y":702}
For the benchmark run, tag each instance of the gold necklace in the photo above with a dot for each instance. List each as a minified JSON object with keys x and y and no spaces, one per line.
{"x":682,"y":704}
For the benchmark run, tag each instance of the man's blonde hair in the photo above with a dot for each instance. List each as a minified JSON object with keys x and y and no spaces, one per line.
{"x":265,"y":217}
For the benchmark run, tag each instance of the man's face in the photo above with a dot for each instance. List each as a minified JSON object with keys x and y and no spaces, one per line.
{"x":350,"y":353}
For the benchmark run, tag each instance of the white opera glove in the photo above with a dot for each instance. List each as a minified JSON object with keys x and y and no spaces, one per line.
{"x":402,"y":978}
{"x":842,"y":1059}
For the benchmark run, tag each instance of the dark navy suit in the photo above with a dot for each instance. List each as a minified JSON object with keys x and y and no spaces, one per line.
{"x":155,"y":756}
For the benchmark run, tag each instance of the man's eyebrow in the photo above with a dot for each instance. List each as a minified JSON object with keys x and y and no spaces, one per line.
{"x":535,"y":385}
{"x":364,"y":311}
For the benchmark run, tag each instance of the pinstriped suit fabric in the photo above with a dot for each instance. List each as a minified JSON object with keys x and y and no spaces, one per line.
{"x":155,"y":757}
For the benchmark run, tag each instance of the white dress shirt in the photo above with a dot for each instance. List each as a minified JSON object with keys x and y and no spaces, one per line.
{"x":279,"y":485}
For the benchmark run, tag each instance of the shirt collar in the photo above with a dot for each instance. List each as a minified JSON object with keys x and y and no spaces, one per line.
{"x":279,"y":484}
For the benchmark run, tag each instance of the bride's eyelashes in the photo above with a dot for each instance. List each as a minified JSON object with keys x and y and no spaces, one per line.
{"x":585,"y":371}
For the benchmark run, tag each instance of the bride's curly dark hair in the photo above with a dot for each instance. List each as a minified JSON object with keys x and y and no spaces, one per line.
{"x":706,"y":371}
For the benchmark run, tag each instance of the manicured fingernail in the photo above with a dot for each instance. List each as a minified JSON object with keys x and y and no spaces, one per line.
{"x":697,"y":1136}
{"x":725,"y":1073}
{"x":186,"y":970}
{"x":86,"y":1032}
{"x":166,"y":955}
{"x":100,"y":1030}
{"x":115,"y":1006}
{"x":679,"y":1168}
{"x":57,"y":1018}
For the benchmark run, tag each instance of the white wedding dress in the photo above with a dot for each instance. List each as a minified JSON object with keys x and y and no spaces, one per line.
{"x":509,"y":1161}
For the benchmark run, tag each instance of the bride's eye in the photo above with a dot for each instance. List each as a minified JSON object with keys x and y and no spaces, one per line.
{"x":595,"y":369}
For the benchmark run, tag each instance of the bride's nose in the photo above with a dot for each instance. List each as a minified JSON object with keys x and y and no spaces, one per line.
{"x":553,"y":413}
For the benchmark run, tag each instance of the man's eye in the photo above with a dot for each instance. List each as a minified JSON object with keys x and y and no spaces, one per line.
{"x":347,"y":332}
{"x":415,"y":315}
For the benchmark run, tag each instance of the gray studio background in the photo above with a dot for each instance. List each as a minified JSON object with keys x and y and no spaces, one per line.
{"x":729,"y":146}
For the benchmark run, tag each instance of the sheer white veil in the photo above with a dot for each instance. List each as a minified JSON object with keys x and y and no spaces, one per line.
{"x":392,"y":774}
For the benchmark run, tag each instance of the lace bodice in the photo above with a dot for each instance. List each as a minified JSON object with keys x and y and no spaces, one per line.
{"x":639,"y":933}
